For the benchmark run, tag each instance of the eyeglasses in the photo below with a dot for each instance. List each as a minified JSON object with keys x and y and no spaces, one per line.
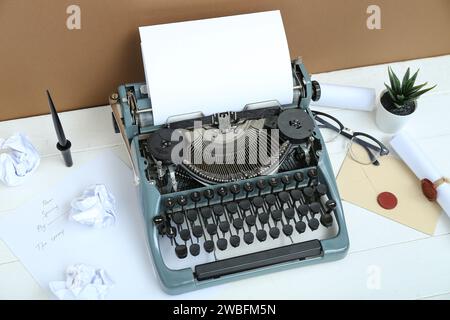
{"x":364,"y":148}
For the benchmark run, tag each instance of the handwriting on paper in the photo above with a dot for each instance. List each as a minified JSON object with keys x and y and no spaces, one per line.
{"x":48,"y":229}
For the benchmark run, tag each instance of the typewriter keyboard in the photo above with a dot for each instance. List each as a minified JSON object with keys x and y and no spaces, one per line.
{"x":234,"y":220}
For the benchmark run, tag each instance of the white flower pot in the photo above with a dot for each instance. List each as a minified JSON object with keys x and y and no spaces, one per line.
{"x":387,"y":121}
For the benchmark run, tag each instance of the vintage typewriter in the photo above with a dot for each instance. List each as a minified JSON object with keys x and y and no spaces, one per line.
{"x":211,"y":222}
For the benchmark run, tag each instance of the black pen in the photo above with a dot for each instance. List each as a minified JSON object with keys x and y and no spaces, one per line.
{"x":63,"y":144}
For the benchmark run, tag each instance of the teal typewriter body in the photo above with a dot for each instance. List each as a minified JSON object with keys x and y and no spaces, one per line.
{"x":210,"y":223}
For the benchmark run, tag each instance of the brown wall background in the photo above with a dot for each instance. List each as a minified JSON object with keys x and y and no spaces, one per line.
{"x":82,"y":67}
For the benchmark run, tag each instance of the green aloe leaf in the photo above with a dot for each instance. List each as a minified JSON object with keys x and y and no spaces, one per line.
{"x":412,"y":80}
{"x":395,"y":82}
{"x":419,"y":93}
{"x":391,"y":92}
{"x":415,"y":89}
{"x":405,"y":80}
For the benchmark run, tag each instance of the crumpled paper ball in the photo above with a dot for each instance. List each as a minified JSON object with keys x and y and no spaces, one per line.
{"x":83,"y":282}
{"x":18,"y":159}
{"x":95,"y":207}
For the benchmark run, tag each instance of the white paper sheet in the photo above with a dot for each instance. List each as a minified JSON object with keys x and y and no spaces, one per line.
{"x":346,"y":97}
{"x":216,"y":65}
{"x":421,"y":165}
{"x":41,"y":235}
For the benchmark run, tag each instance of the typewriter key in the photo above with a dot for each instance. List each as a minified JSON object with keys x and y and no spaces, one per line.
{"x":270,"y":199}
{"x":274,"y":182}
{"x":261,"y":235}
{"x":300,"y":226}
{"x":308,"y":192}
{"x":248,"y":187}
{"x":192,"y":215}
{"x":313,"y":224}
{"x":181,"y":251}
{"x":212,"y":229}
{"x":218,"y":210}
{"x":287,"y":230}
{"x":235,"y":241}
{"x":263,"y":218}
{"x":249,"y":237}
{"x":222,"y":244}
{"x":224,"y":226}
{"x":284,"y":197}
{"x":222,"y":192}
{"x":238,"y":223}
{"x":208,"y":194}
{"x":274,"y":232}
{"x":322,"y":189}
{"x":244,"y":205}
{"x":331,"y":205}
{"x":258,"y":202}
{"x":276,"y":215}
{"x":298,"y":177}
{"x":182,"y":201}
{"x":178,"y":218}
{"x":170,"y":203}
{"x":195,"y":196}
{"x":197,"y":231}
{"x":312,"y":173}
{"x":296,"y":194}
{"x":232,"y":207}
{"x":326,"y":220}
{"x":250,"y":220}
{"x":235,"y":189}
{"x":289,"y":213}
{"x":208,"y":246}
{"x":206,"y":212}
{"x":194,"y":249}
{"x":185,"y":235}
{"x":261,"y":185}
{"x":314,"y":207}
{"x":285,"y":180}
{"x":303,"y":209}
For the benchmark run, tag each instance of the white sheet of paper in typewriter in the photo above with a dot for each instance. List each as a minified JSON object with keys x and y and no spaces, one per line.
{"x":216,"y":65}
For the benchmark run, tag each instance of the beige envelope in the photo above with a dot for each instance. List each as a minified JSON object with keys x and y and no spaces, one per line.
{"x":360,"y":184}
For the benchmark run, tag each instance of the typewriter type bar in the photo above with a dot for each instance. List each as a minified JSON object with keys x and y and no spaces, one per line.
{"x":297,"y":251}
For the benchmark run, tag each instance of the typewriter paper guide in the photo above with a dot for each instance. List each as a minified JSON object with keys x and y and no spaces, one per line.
{"x":216,"y":65}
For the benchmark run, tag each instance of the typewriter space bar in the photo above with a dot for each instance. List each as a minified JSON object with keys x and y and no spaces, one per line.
{"x":297,"y":251}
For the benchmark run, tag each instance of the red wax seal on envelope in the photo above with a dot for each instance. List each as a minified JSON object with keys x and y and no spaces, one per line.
{"x":429,"y":189}
{"x":387,"y":200}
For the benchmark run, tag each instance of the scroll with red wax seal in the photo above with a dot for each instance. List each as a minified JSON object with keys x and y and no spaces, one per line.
{"x":435,"y":186}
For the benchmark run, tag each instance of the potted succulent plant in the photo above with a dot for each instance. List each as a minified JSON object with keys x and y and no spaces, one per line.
{"x":398,"y":102}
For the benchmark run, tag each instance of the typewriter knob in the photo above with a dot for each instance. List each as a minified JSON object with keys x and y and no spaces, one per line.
{"x":317,"y":92}
{"x":195,"y":196}
{"x":298,"y":176}
{"x":274,"y":182}
{"x":322,"y":189}
{"x":235,"y":189}
{"x":331,"y":205}
{"x":261,"y":184}
{"x":222,"y":191}
{"x":209,"y":194}
{"x":182,"y":200}
{"x":170,"y":203}
{"x":158,"y":219}
{"x":312,"y":173}
{"x":248,"y":186}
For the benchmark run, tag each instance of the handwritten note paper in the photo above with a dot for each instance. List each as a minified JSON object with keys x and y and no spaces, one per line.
{"x":46,"y":241}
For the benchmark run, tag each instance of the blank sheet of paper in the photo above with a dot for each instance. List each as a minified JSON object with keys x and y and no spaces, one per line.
{"x":47,"y":242}
{"x":216,"y":65}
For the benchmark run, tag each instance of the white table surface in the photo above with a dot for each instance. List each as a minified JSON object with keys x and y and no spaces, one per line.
{"x":410,"y":264}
